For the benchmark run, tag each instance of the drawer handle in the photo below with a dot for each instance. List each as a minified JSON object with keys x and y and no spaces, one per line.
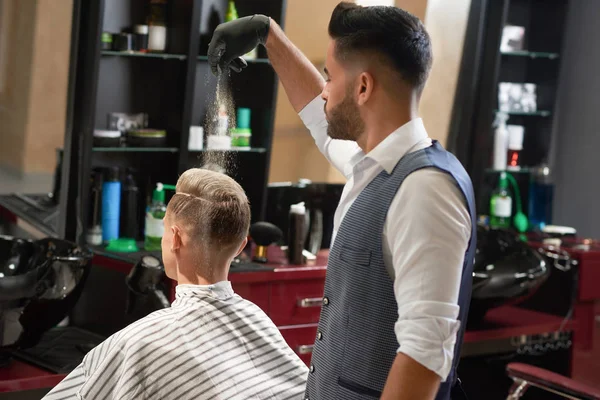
{"x":305,"y":348}
{"x":312,"y":302}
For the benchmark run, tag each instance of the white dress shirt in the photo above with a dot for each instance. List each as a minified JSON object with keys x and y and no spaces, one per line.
{"x":426,"y":234}
{"x":210,"y":344}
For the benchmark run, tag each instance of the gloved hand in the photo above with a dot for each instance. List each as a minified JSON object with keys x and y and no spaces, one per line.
{"x":236,"y":38}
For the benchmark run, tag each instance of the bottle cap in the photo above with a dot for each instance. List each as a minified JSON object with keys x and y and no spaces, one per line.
{"x":158,"y":194}
{"x":298,"y":208}
{"x":112,"y":175}
{"x":141,"y":29}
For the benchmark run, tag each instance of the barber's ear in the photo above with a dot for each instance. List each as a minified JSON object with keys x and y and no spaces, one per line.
{"x":365,"y":87}
{"x":177,"y":241}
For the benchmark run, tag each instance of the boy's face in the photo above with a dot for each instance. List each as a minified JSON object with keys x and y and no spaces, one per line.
{"x":168,"y":256}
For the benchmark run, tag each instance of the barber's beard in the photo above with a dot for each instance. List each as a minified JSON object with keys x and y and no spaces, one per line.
{"x":344,"y":121}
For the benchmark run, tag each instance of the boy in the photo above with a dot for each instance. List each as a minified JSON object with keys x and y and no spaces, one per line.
{"x":211,"y":344}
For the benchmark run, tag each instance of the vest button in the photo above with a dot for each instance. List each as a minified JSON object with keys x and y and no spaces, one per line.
{"x":325,"y":301}
{"x":319,"y":335}
{"x":312,"y":369}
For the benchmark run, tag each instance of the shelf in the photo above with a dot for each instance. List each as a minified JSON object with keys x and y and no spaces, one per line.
{"x":129,"y":257}
{"x":530,"y":54}
{"x":135,"y":149}
{"x":539,"y":113}
{"x":164,"y":56}
{"x":255,"y":61}
{"x":252,"y":150}
{"x":523,"y":170}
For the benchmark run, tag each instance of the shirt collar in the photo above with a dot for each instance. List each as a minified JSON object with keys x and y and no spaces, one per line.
{"x":219,"y":290}
{"x":397,"y":144}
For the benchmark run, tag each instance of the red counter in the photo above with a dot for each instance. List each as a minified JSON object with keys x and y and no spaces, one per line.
{"x":291,"y":296}
{"x":21,"y":376}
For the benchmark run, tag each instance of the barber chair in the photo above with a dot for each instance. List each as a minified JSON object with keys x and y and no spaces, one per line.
{"x":506,"y":272}
{"x":525,"y":376}
{"x":40,"y":282}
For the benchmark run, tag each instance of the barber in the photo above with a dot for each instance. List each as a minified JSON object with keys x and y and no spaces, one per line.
{"x":399,"y":274}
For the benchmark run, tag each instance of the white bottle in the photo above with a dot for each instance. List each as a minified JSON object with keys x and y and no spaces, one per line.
{"x":500,"y":141}
{"x":222,"y":121}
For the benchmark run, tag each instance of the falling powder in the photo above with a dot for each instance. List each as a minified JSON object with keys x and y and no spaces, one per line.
{"x":220,"y":119}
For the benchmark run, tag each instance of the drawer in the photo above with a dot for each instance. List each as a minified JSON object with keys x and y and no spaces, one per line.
{"x":301,"y":339}
{"x":296,"y":302}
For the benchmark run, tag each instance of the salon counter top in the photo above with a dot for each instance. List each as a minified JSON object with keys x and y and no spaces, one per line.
{"x":246,"y":271}
{"x":19,"y":376}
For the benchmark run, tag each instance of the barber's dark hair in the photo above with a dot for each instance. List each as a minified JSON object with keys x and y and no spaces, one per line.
{"x":397,"y":35}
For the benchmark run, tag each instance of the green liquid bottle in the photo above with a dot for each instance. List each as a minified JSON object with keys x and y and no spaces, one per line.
{"x":501,"y":205}
{"x":231,"y":12}
{"x":155,"y":213}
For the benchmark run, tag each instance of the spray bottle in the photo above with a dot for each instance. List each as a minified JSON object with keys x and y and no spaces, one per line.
{"x":155,"y":213}
{"x":111,"y":205}
{"x":297,"y":233}
{"x":500,"y":141}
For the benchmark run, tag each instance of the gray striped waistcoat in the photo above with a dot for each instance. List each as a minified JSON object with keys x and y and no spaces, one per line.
{"x":356,"y":344}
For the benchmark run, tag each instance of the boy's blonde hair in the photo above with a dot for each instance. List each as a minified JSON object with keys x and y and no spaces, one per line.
{"x":211,"y":207}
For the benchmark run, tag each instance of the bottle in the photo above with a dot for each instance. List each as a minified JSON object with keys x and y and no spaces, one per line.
{"x":157,"y":26}
{"x":222,"y":121}
{"x":94,"y":232}
{"x":541,"y":193}
{"x":500,"y":141}
{"x":111,"y":205}
{"x":231,"y":12}
{"x":296,"y":234}
{"x":231,"y":15}
{"x":515,"y":145}
{"x":129,"y":208}
{"x":241,"y":136}
{"x":501,"y":205}
{"x":141,"y":38}
{"x":155,"y":213}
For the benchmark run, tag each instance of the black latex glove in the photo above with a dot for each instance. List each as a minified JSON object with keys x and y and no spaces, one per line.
{"x":236,"y":38}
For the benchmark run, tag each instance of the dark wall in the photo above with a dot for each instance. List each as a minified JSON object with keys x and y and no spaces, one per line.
{"x":577,"y":122}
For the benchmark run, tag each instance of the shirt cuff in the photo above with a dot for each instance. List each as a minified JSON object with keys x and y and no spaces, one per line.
{"x":313,"y":114}
{"x":429,"y":338}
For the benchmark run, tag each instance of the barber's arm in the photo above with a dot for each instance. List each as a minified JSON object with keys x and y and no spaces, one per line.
{"x":426,"y":233}
{"x":302,"y":82}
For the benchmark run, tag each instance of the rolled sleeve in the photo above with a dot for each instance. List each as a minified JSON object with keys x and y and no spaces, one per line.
{"x":337,"y":152}
{"x":427,"y":232}
{"x":426,"y":332}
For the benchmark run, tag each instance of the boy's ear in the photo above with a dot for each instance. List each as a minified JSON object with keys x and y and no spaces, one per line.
{"x":242,"y":246}
{"x":177,"y":241}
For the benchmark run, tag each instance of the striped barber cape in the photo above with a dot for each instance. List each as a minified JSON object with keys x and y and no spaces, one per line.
{"x":211,"y":344}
